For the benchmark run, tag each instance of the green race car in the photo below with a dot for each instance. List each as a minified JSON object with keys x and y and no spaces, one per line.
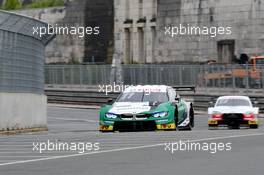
{"x":149,"y":107}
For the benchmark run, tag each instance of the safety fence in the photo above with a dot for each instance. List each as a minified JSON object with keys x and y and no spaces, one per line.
{"x":219,"y":76}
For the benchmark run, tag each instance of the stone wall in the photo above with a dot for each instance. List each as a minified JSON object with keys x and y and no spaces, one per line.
{"x":60,"y":49}
{"x":135,"y":30}
{"x":79,"y":13}
{"x":246,"y":17}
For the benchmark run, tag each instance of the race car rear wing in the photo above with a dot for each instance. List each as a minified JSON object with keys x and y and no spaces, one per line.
{"x":184,"y":88}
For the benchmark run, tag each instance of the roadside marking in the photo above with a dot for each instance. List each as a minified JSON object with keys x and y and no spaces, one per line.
{"x":78,"y":120}
{"x":21,"y":152}
{"x":15,"y":145}
{"x":76,"y":107}
{"x":124,"y":149}
{"x":23,"y":156}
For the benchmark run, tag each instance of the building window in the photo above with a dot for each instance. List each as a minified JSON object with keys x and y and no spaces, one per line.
{"x":140,"y":9}
{"x":141,"y":45}
{"x":154,"y":9}
{"x":128,"y":44}
{"x":154,"y":34}
{"x":127,"y":9}
{"x":226,"y":50}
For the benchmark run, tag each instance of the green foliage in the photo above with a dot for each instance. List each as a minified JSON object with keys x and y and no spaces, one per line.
{"x":74,"y":61}
{"x":16,"y":4}
{"x":12,"y":5}
{"x":45,"y":4}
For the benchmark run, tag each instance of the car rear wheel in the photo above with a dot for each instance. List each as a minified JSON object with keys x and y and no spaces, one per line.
{"x":253,"y":126}
{"x":191,"y":117}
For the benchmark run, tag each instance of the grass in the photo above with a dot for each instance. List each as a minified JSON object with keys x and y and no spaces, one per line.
{"x":45,"y":4}
{"x":16,"y":5}
{"x":11,"y":5}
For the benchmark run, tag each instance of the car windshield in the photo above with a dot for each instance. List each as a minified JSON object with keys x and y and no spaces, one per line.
{"x":233,"y":102}
{"x":260,"y":61}
{"x":143,"y":97}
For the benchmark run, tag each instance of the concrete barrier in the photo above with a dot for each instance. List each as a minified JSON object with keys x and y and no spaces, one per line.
{"x":22,"y":100}
{"x":22,"y":110}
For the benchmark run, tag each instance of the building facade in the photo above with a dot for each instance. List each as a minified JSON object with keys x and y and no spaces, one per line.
{"x":79,"y":13}
{"x":135,"y":30}
{"x":141,"y":25}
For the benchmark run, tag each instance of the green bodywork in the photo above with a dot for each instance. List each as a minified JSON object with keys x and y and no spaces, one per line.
{"x":163,"y":107}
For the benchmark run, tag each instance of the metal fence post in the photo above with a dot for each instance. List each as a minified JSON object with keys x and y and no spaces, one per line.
{"x":247,"y":78}
{"x":180,"y":75}
{"x":233,"y":77}
{"x":63,"y":75}
{"x":80,"y":75}
{"x":71,"y":76}
{"x":262,"y":77}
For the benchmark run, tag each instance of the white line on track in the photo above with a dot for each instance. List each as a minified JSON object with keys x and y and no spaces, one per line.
{"x":24,"y":156}
{"x":75,"y":119}
{"x":124,"y":149}
{"x":15,"y":146}
{"x":47,"y":152}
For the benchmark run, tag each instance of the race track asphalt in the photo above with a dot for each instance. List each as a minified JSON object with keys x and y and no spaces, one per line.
{"x":130,"y":153}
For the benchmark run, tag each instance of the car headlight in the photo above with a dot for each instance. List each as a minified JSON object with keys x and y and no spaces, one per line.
{"x":216,"y":113}
{"x":249,"y":113}
{"x":110,"y":116}
{"x":160,"y":114}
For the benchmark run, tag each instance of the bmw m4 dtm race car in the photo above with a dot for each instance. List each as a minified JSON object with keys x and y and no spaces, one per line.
{"x":233,"y":111}
{"x":149,"y":107}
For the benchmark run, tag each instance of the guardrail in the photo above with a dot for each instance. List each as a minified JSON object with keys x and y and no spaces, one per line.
{"x":92,"y":97}
{"x":206,"y":76}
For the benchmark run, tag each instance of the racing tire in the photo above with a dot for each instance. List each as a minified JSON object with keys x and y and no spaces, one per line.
{"x":106,"y":131}
{"x":176,"y":118}
{"x":212,"y":127}
{"x":187,"y":128}
{"x":191,"y":115}
{"x":253,"y":126}
{"x":233,"y":127}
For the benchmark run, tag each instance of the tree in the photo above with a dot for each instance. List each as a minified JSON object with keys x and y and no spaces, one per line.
{"x":12,"y":5}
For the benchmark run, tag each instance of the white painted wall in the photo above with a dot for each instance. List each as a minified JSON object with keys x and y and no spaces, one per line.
{"x":22,"y":110}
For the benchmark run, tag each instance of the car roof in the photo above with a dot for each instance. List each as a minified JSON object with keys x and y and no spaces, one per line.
{"x":234,"y":97}
{"x":258,"y":57}
{"x":147,"y":88}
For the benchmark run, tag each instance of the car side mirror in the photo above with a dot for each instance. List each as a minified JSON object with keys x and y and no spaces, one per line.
{"x":110,"y":101}
{"x":211,"y":104}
